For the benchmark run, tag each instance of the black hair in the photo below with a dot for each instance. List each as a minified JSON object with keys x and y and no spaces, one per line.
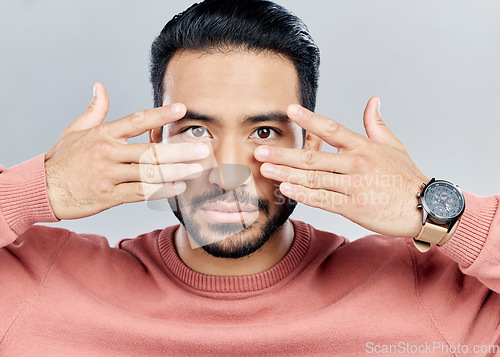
{"x":226,"y":25}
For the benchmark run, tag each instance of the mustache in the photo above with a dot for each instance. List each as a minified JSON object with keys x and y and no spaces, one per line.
{"x":232,"y":196}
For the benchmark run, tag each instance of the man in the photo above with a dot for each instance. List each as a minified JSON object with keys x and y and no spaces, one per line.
{"x":235,"y":144}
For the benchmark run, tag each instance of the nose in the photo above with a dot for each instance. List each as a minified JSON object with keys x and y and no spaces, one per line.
{"x":230,"y":176}
{"x":231,"y":171}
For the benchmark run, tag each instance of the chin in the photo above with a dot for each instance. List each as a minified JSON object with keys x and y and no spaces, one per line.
{"x":232,"y":239}
{"x":228,"y":240}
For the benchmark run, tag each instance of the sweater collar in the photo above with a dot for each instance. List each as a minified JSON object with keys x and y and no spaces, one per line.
{"x":239,"y":283}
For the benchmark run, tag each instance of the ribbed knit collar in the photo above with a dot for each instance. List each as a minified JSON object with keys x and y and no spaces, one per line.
{"x":239,"y":283}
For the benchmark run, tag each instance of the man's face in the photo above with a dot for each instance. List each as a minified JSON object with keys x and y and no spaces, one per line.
{"x":235,"y":102}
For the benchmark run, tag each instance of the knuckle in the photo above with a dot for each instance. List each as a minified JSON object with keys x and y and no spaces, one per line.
{"x":313,"y":178}
{"x":104,"y":188}
{"x":105,"y":169}
{"x":104,"y":148}
{"x":148,"y":173}
{"x":91,"y":106}
{"x":154,"y":152}
{"x":151,"y":172}
{"x":138,"y":118}
{"x":331,"y":128}
{"x":150,"y":155}
{"x":360,"y":162}
{"x":139,"y":191}
{"x":308,"y":158}
{"x":379,"y":120}
{"x":98,"y":151}
{"x":129,"y":193}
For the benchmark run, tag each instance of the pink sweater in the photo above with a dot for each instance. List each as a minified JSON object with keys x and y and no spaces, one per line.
{"x":69,"y":294}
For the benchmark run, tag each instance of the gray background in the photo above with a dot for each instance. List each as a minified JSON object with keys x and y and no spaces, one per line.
{"x":433,"y":63}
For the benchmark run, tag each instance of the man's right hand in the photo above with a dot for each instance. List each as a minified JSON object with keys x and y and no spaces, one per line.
{"x":93,"y":168}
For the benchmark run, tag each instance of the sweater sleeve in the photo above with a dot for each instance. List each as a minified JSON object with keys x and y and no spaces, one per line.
{"x":458,"y":284}
{"x":23,"y":199}
{"x":475,"y":245}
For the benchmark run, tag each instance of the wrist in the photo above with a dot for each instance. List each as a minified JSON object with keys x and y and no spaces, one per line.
{"x":442,"y":204}
{"x":23,"y":193}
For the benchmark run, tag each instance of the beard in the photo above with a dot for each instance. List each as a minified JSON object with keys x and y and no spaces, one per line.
{"x":239,"y":239}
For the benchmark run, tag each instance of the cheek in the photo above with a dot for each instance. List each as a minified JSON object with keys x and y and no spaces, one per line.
{"x":266,"y":188}
{"x":298,"y":136}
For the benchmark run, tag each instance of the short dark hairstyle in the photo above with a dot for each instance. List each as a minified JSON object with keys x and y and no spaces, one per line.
{"x":253,"y":25}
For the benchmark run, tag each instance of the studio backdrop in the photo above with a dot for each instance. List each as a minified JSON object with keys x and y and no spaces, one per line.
{"x":433,"y":63}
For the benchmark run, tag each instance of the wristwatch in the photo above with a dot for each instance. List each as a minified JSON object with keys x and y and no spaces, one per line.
{"x":442,"y":203}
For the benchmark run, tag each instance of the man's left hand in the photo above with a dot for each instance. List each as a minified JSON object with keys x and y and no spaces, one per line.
{"x":370,"y":180}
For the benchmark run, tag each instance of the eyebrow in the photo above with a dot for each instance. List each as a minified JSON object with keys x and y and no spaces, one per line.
{"x":278,"y":117}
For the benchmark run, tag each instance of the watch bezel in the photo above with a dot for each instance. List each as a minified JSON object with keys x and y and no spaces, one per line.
{"x":431,"y":215}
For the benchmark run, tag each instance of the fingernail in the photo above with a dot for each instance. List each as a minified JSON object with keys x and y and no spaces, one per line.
{"x":286,"y":188}
{"x":263,"y":152}
{"x":202,"y":150}
{"x":179,"y":187}
{"x":177,"y":108}
{"x":195,"y":168}
{"x":378,"y":106}
{"x":93,"y":90}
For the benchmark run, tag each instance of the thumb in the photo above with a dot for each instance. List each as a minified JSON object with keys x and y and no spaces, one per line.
{"x":375,"y":126}
{"x":95,"y":112}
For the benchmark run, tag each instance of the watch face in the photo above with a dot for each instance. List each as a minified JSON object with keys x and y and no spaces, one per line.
{"x":443,"y":200}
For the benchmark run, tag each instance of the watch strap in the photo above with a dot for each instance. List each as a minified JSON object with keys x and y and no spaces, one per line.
{"x":430,"y":233}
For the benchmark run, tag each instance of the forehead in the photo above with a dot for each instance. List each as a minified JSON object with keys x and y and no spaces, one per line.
{"x":237,"y":83}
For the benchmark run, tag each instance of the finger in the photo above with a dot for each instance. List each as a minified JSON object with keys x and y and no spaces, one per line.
{"x":158,"y":174}
{"x":144,"y":120}
{"x":137,"y":191}
{"x":161,"y":153}
{"x":307,"y":178}
{"x":375,"y":126}
{"x":330,"y":131}
{"x":94,"y":114}
{"x":303,"y":159}
{"x":319,"y":198}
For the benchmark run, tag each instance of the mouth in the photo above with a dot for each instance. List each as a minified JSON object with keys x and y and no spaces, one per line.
{"x":229,"y":212}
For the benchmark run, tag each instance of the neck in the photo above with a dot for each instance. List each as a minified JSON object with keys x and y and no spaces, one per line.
{"x":264,"y":258}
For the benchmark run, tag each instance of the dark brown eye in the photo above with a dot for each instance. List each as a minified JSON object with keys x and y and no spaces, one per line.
{"x":263,"y":133}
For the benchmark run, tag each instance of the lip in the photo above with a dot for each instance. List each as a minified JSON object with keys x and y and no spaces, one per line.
{"x":229,"y":207}
{"x":224,"y":212}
